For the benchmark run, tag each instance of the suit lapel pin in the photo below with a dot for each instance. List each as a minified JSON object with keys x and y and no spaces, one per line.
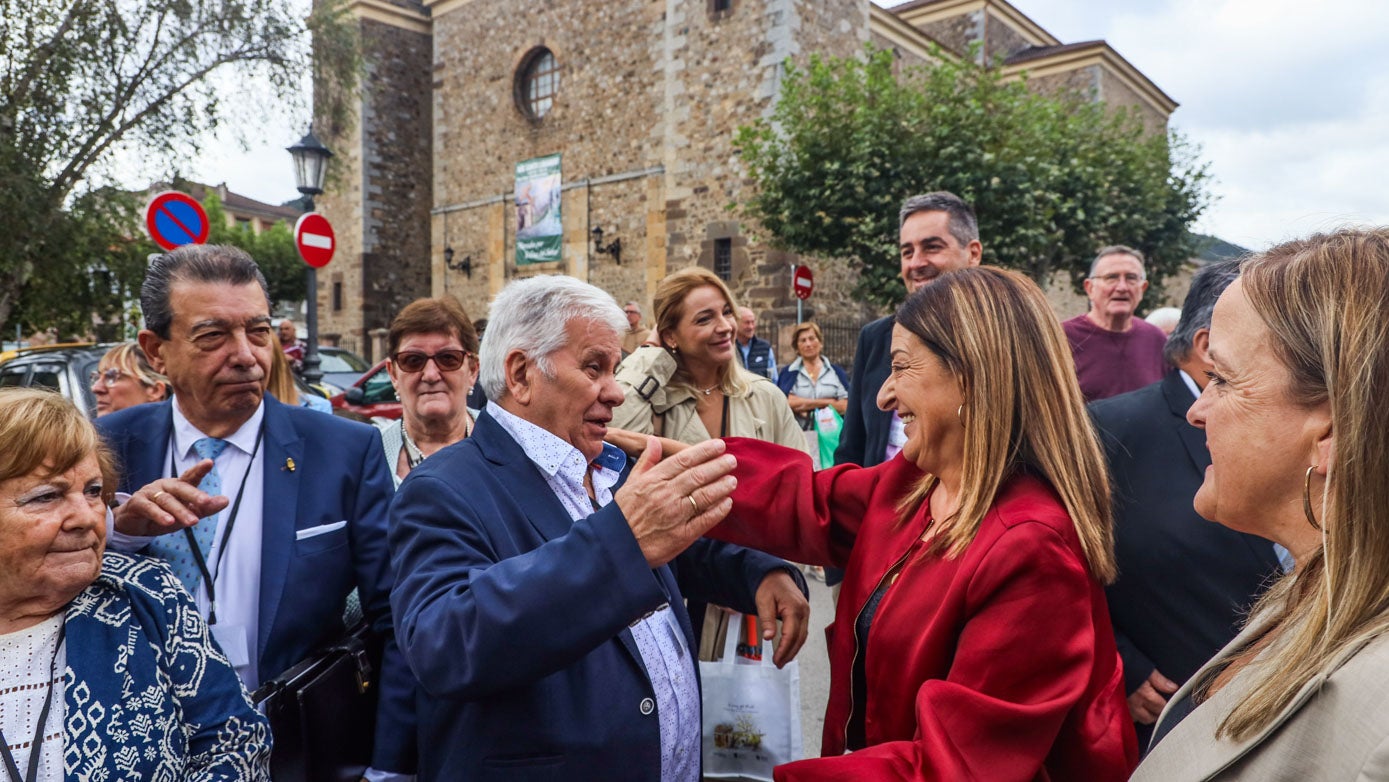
{"x":289,"y":465}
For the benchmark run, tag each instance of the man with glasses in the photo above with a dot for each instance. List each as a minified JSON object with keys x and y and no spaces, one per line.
{"x":1115,"y":352}
{"x":270,"y":515}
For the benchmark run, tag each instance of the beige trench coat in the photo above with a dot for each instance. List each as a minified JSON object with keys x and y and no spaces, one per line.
{"x":763,"y":413}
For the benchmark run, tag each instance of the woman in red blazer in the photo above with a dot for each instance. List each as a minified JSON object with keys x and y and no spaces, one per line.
{"x":971,"y":640}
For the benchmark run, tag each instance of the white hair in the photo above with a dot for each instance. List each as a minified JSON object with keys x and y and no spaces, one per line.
{"x":531,"y":316}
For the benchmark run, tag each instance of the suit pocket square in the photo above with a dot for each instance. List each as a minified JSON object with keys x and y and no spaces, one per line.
{"x":323,"y":529}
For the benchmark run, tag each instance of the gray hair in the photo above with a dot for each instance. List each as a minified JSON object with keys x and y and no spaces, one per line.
{"x":531,"y":316}
{"x":212,"y":263}
{"x":1206,"y":287}
{"x":1118,"y":249}
{"x":964,"y":226}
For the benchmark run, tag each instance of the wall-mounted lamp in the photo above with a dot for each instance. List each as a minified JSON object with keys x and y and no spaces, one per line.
{"x":613,"y":248}
{"x":465,"y":265}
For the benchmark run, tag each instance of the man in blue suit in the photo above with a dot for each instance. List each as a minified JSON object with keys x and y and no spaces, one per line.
{"x":937,"y":233}
{"x":285,"y":508}
{"x":539,"y":598}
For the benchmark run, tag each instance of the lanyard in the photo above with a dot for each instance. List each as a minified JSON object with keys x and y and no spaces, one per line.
{"x":198,"y":558}
{"x":34,"y":748}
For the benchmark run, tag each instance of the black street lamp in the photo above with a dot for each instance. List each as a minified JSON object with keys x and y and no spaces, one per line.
{"x":310,"y":169}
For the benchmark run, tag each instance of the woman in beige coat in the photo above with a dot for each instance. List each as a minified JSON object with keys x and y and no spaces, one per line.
{"x":691,"y":388}
{"x":1299,"y":442}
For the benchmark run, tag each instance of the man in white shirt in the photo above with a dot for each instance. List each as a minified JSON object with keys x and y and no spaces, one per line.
{"x":539,"y":597}
{"x":270,"y":515}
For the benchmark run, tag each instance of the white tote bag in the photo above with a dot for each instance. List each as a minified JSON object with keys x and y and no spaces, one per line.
{"x":752,"y":713}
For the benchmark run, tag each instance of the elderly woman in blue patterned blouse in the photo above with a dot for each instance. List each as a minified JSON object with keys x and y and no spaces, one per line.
{"x":106,"y":670}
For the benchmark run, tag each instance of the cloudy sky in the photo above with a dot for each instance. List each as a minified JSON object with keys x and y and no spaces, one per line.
{"x":1288,"y":100}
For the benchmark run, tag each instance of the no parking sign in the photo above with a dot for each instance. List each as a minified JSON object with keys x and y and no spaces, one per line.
{"x":175,"y":219}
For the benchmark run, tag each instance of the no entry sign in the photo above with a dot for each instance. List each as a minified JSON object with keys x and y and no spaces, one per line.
{"x":802,"y":282}
{"x":175,"y":219}
{"x":313,"y":236}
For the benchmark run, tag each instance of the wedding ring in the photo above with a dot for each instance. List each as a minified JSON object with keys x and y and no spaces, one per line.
{"x":155,"y":497}
{"x":693,"y":504}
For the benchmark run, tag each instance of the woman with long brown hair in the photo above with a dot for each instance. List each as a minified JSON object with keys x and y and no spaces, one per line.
{"x":971,"y":639}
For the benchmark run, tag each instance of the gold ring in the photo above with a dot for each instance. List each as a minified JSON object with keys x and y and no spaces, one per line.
{"x":155,"y":497}
{"x":693,"y":504}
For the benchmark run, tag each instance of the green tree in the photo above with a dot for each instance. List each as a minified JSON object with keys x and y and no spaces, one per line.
{"x":82,"y":78}
{"x":272,"y":248}
{"x":1052,"y":178}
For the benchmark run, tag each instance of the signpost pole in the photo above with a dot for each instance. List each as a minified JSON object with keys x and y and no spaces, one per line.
{"x":799,"y":301}
{"x":312,"y":373}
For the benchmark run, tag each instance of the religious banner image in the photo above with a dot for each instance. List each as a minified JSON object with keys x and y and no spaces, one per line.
{"x":539,"y":231}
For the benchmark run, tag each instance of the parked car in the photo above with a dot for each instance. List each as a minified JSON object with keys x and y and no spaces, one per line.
{"x":371,"y":395}
{"x":340,"y":366}
{"x":64,"y":368}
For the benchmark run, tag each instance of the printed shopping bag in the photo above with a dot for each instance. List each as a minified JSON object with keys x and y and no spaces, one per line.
{"x":752,"y":711}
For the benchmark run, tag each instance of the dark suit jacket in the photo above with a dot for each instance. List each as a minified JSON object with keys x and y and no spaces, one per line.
{"x":863,"y":440}
{"x":515,"y":619}
{"x":340,"y":474}
{"x":1185,"y":583}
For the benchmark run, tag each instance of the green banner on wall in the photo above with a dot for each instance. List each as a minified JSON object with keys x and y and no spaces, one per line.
{"x":539,"y":230}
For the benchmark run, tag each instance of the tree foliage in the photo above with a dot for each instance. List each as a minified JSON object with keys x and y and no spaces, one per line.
{"x":1052,"y":178}
{"x":80,"y":79}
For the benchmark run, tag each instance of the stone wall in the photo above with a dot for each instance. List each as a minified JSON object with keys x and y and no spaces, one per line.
{"x":379,"y":203}
{"x":956,"y":33}
{"x":1002,"y":40}
{"x":1114,"y":92}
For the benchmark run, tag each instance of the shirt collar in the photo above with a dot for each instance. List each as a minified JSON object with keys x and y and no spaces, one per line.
{"x":556,"y":457}
{"x":1190,"y":384}
{"x":244,"y":438}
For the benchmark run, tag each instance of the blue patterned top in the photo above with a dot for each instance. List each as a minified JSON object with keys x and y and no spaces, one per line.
{"x":147,"y":694}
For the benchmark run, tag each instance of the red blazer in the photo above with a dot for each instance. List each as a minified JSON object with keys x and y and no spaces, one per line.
{"x":998,"y":665}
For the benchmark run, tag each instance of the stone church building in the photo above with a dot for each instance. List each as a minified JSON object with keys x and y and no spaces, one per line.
{"x":639,"y":99}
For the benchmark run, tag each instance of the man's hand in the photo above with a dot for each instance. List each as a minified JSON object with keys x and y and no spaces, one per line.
{"x":670,"y":504}
{"x":168,"y":504}
{"x":1147,"y":702}
{"x":778,"y":597}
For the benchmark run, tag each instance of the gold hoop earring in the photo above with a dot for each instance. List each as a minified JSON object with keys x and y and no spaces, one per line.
{"x":1307,"y":498}
{"x":960,"y":414}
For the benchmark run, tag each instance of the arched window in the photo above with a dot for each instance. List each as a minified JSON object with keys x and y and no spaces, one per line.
{"x":537,"y":81}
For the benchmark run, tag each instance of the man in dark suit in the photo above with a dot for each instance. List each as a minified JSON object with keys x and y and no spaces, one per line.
{"x":938,"y":233}
{"x":284,"y":508}
{"x":539,"y":598}
{"x":754,"y":353}
{"x":1184,"y":582}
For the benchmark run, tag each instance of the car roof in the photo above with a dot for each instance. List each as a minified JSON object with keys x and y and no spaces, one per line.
{"x":55,"y":351}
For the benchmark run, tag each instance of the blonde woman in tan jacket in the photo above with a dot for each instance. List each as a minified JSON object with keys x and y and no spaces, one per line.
{"x":691,"y":388}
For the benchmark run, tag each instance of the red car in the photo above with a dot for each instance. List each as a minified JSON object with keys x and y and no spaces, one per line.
{"x":371,"y":396}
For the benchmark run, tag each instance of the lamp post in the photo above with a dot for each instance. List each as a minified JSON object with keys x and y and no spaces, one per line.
{"x":310,"y":169}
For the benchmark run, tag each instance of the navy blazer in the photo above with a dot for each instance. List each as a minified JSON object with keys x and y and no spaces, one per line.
{"x":515,"y":619}
{"x":863,"y":440}
{"x":339,"y":474}
{"x":1185,"y":583}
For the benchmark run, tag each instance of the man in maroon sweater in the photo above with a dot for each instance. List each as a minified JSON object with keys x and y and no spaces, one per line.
{"x":1115,"y":352}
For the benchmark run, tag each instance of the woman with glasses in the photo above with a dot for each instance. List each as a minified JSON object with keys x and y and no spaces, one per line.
{"x":433,"y":366}
{"x":124,"y":378}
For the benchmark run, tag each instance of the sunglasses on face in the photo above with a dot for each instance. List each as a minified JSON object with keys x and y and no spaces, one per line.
{"x":447,"y":360}
{"x":109,"y":375}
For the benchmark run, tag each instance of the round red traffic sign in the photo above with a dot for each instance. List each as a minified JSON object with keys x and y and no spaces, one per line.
{"x":175,"y":219}
{"x":803,"y":282}
{"x":313,"y":236}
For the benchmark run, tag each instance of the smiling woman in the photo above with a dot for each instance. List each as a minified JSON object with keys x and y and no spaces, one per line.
{"x":68,"y":609}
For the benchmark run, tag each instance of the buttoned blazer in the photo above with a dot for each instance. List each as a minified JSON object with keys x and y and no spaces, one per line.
{"x":1335,"y":728}
{"x":515,"y":619}
{"x":1185,"y":584}
{"x":863,"y":440}
{"x":318,"y":470}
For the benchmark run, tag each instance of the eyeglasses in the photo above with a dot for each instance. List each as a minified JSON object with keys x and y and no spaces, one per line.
{"x":109,"y":375}
{"x":1113,"y":279}
{"x":446,"y":360}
